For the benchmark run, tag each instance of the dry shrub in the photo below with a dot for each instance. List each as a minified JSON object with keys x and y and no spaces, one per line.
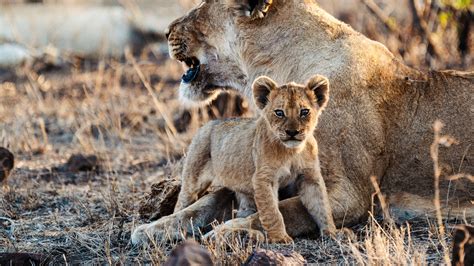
{"x":231,"y":248}
{"x":387,"y":246}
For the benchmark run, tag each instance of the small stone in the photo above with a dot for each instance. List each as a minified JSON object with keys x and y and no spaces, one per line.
{"x":82,"y":163}
{"x":268,"y":257}
{"x":189,"y":253}
{"x":7,"y":162}
{"x":23,"y":259}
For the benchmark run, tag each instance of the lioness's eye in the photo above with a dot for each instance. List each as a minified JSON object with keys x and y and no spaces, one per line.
{"x":279,"y":113}
{"x":304,"y":112}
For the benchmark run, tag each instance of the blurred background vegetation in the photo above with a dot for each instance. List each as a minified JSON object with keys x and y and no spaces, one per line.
{"x":426,"y":34}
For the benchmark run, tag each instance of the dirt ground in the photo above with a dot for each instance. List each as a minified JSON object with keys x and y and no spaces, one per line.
{"x":124,"y":112}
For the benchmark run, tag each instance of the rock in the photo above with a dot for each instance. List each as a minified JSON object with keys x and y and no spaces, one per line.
{"x":161,"y":200}
{"x":23,"y":259}
{"x":7,"y":162}
{"x":189,"y":253}
{"x":268,"y":257}
{"x":463,"y":245}
{"x":81,"y":163}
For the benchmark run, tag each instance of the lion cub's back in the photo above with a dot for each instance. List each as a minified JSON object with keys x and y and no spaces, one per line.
{"x":231,"y":151}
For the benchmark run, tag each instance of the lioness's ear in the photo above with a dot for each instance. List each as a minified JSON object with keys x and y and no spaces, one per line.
{"x":320,"y":86}
{"x":262,"y":86}
{"x":250,"y":8}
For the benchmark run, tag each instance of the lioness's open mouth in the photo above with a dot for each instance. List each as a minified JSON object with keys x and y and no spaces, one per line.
{"x":192,"y":67}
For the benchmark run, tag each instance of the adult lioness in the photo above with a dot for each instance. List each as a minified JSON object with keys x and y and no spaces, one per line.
{"x":378,"y":122}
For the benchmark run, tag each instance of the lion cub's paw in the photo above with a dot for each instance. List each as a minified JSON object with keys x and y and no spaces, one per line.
{"x":280,"y":239}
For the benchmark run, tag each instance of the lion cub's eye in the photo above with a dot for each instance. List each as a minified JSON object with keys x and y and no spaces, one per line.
{"x":279,"y":113}
{"x":304,"y":112}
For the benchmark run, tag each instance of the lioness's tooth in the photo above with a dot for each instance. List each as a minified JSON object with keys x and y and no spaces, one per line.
{"x":185,"y":66}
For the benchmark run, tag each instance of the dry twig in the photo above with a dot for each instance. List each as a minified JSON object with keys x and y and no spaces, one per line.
{"x":434,"y":151}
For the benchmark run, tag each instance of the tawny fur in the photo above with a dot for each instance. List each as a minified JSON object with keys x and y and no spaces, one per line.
{"x":380,"y":116}
{"x":255,"y":157}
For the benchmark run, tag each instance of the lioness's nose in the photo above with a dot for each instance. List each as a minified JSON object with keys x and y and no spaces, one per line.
{"x":292,"y":132}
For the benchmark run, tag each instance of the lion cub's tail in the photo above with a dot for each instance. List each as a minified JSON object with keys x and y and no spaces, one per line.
{"x":406,"y":206}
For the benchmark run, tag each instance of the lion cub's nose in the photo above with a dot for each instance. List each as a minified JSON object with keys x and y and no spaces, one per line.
{"x":292,"y":133}
{"x":167,"y":33}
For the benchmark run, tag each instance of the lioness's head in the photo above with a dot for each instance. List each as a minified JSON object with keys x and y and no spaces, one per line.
{"x":291,"y":110}
{"x":209,"y":41}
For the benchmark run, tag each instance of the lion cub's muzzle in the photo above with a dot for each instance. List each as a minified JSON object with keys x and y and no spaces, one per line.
{"x":292,"y":133}
{"x":293,"y":138}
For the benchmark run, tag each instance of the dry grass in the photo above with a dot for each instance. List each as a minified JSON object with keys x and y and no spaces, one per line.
{"x":99,"y":109}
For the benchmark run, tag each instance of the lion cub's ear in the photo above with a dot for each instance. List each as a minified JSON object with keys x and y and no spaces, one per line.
{"x":320,"y":86}
{"x":250,"y":8}
{"x":262,"y":87}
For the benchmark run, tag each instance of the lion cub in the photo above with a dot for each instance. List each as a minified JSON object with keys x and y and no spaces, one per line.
{"x":254,"y":157}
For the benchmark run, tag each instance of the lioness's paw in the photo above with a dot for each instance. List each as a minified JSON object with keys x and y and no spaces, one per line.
{"x":140,"y":234}
{"x":280,"y":239}
{"x":343,"y":234}
{"x":329,"y":231}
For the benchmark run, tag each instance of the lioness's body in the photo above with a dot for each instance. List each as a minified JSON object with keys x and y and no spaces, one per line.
{"x":381,"y":113}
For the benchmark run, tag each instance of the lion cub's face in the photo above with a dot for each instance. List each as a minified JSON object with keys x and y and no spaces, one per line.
{"x":291,"y":110}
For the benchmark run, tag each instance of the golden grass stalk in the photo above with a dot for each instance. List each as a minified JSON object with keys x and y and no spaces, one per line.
{"x":434,"y":152}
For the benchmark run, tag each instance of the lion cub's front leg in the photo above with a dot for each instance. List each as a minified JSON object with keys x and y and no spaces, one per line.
{"x":314,"y":197}
{"x":266,"y":199}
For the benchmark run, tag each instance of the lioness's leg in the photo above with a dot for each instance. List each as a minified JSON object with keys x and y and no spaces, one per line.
{"x":297,"y":220}
{"x":266,"y":199}
{"x":216,"y":206}
{"x":346,"y":204}
{"x":347,"y":207}
{"x":314,"y":196}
